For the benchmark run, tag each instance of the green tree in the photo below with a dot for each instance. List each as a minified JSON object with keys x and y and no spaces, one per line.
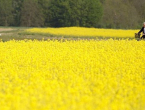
{"x":94,"y":13}
{"x":6,"y":16}
{"x":31,"y":14}
{"x":74,"y":13}
{"x":59,"y":13}
{"x":17,"y":4}
{"x":86,"y":13}
{"x":44,"y":4}
{"x":119,"y":14}
{"x":139,"y":6}
{"x":102,"y":1}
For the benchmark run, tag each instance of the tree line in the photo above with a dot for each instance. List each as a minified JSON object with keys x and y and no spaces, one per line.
{"x":64,"y":13}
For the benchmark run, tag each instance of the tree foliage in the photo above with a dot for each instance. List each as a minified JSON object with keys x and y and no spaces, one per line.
{"x":6,"y":9}
{"x":75,"y":13}
{"x":17,"y":4}
{"x":62,"y":13}
{"x":118,"y":14}
{"x":31,"y":14}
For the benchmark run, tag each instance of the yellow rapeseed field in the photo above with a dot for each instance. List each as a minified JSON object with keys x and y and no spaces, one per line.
{"x":84,"y":32}
{"x":72,"y":75}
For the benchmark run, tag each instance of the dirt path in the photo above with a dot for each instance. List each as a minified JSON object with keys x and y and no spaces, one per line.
{"x":6,"y":29}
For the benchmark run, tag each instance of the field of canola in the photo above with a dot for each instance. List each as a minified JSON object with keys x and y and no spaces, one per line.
{"x":84,"y":32}
{"x":72,"y":75}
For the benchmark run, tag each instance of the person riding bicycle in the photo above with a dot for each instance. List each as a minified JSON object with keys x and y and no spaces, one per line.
{"x":142,"y":30}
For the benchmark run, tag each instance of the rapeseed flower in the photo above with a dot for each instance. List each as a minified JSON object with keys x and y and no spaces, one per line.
{"x":72,"y":75}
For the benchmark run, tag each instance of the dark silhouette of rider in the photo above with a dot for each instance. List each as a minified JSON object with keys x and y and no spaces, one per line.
{"x":142,"y":30}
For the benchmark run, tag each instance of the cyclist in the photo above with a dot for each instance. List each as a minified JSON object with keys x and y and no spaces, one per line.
{"x":142,"y":30}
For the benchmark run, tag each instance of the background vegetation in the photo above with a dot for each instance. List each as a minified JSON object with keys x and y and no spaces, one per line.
{"x":64,"y":13}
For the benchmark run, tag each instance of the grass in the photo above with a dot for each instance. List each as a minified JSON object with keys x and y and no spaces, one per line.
{"x":17,"y":33}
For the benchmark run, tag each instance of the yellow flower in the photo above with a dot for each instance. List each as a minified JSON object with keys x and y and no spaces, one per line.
{"x":84,"y":32}
{"x":72,"y":75}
